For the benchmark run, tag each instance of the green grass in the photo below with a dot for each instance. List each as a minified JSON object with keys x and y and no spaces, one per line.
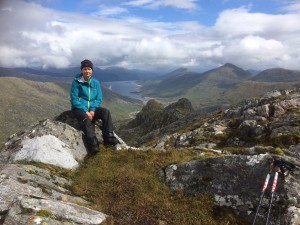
{"x":126,"y":186}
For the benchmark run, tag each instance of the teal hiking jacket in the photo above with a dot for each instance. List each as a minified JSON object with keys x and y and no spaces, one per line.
{"x":85,"y":95}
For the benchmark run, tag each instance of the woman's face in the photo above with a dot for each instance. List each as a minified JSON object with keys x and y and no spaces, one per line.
{"x":87,"y":73}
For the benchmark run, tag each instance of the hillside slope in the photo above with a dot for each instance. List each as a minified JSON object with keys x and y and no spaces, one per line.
{"x":224,"y":85}
{"x":278,"y":75}
{"x":30,"y":74}
{"x":24,"y":102}
{"x":107,"y":74}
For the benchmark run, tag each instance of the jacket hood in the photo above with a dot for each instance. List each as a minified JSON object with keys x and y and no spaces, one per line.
{"x":79,"y":78}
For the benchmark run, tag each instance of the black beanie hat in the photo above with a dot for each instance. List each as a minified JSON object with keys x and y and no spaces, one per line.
{"x":86,"y":63}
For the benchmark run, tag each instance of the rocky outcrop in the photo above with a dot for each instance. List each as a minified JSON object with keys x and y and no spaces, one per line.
{"x":154,"y":119}
{"x":33,"y":195}
{"x":245,"y":137}
{"x":154,"y":116}
{"x":236,"y":182}
{"x":273,"y":119}
{"x":49,"y":142}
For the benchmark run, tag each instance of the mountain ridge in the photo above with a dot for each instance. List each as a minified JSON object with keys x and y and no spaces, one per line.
{"x":278,"y":75}
{"x":108,"y":74}
{"x":226,"y":84}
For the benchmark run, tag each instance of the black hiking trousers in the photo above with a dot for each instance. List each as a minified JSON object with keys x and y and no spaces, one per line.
{"x":87,"y":125}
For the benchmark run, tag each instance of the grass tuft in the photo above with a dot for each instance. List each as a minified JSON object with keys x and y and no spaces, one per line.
{"x":126,"y":186}
{"x":44,"y":213}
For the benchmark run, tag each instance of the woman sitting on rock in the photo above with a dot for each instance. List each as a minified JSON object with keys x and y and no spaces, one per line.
{"x":86,"y":99}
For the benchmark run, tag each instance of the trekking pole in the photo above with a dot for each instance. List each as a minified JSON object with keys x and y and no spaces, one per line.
{"x":272,"y":194}
{"x":262,"y":195}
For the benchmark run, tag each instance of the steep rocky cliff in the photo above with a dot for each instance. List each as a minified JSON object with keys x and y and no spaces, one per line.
{"x":244,"y":137}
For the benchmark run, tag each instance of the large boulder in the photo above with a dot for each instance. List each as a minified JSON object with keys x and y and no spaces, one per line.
{"x":49,"y":142}
{"x":236,"y":182}
{"x":33,"y":195}
{"x":49,"y":211}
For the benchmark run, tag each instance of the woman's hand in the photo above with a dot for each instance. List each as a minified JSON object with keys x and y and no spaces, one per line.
{"x":90,"y":115}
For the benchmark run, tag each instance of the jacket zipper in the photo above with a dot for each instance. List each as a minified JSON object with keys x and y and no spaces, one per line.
{"x":89,"y":95}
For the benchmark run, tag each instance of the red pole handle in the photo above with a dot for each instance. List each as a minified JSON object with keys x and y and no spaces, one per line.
{"x":274,"y":182}
{"x":266,"y":183}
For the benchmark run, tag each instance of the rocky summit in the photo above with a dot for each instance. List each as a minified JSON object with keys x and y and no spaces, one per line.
{"x":236,"y":149}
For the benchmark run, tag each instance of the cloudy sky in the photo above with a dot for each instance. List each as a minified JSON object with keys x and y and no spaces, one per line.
{"x":150,"y":34}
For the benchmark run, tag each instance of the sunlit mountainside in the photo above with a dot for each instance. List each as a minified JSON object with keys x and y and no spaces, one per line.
{"x":30,"y":95}
{"x":224,"y":85}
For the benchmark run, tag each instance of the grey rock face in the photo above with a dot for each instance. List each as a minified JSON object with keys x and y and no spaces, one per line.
{"x":48,"y":211}
{"x":236,"y":182}
{"x":27,"y":191}
{"x":32,"y":195}
{"x":47,"y":149}
{"x":49,"y":142}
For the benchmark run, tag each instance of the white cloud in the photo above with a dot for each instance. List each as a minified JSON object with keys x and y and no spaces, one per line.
{"x":138,"y":3}
{"x":181,"y":4}
{"x":291,"y":6}
{"x":35,"y":36}
{"x":11,"y":57}
{"x":239,"y":22}
{"x":257,"y":51}
{"x":259,"y":40}
{"x":110,"y":11}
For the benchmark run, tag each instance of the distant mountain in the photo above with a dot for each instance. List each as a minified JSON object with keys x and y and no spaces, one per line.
{"x":228,"y":71}
{"x":254,"y":72}
{"x":207,"y":91}
{"x":175,"y":73}
{"x":33,"y":75}
{"x":180,"y":81}
{"x":40,"y":72}
{"x":104,"y":75}
{"x":175,"y":85}
{"x":122,"y":74}
{"x":278,"y":75}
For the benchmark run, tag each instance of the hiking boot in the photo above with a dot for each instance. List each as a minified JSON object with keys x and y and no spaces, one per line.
{"x":111,"y":141}
{"x":94,"y":149}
